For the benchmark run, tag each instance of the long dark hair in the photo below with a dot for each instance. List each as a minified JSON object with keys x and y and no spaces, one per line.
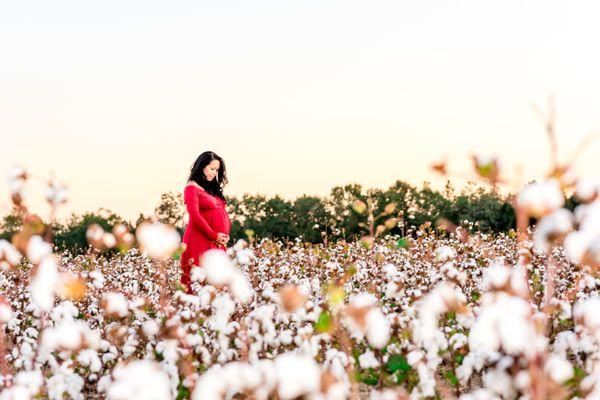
{"x":214,"y":187}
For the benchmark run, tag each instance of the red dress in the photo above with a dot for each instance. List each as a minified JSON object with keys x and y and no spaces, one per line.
{"x":208,"y":217}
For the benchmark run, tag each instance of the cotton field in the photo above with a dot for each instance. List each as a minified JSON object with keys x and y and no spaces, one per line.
{"x":437,"y":313}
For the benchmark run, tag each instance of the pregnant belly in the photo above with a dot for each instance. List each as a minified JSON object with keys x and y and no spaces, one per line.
{"x":219,"y":221}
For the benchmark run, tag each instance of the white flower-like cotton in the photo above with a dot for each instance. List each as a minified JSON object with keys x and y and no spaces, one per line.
{"x":150,"y":328}
{"x":362,"y":300}
{"x":244,"y":256}
{"x":495,"y":276}
{"x":68,"y":334}
{"x":97,"y":279}
{"x":115,"y":304}
{"x":8,"y":254}
{"x":239,"y":245}
{"x":56,"y":194}
{"x":43,"y":285}
{"x":378,"y":328}
{"x":297,"y":375}
{"x":559,"y":223}
{"x":559,"y":369}
{"x":587,"y":312}
{"x":587,"y":188}
{"x":221,"y":271}
{"x":38,"y":249}
{"x":5,"y":311}
{"x":444,"y":253}
{"x":139,"y":380}
{"x":240,"y":287}
{"x":368,"y":360}
{"x":218,"y":266}
{"x":505,"y":322}
{"x":414,"y":357}
{"x":538,"y":199}
{"x":211,"y":385}
{"x":16,"y":178}
{"x":159,"y":240}
{"x":89,"y":358}
{"x":197,"y":274}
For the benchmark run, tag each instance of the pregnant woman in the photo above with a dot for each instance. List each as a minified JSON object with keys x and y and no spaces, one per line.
{"x":209,"y":224}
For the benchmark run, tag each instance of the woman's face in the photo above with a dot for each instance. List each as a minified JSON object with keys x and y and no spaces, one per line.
{"x":210,"y":171}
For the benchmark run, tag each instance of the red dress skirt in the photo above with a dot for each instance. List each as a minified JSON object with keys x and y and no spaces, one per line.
{"x":207,"y":217}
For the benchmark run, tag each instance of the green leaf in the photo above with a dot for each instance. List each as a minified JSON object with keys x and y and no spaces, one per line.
{"x":401,"y":376}
{"x":323,"y":323}
{"x":370,"y":377}
{"x":397,"y":362}
{"x":183,"y":392}
{"x":450,"y":377}
{"x":403,"y":243}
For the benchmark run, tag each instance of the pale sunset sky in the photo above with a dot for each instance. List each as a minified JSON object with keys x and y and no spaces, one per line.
{"x":118,"y":98}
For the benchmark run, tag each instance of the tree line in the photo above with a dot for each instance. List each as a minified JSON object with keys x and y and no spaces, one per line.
{"x":311,"y":218}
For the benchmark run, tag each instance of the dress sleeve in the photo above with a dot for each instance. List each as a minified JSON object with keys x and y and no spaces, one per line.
{"x":192,"y":200}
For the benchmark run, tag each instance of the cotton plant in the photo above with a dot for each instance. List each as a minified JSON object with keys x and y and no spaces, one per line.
{"x":441,"y":311}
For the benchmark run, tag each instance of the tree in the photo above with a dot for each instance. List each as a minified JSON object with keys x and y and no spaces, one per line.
{"x":311,"y":218}
{"x":339,"y":203}
{"x":171,"y":209}
{"x":72,"y":234}
{"x":11,"y":224}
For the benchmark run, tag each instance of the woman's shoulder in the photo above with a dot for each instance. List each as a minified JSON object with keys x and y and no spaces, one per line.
{"x":194,"y":186}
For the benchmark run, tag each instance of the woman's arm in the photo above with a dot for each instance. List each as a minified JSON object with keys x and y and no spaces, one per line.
{"x":192,"y":203}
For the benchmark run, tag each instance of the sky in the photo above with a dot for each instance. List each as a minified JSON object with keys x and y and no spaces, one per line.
{"x":116,"y":99}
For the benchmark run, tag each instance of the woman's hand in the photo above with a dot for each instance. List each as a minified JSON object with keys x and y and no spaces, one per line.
{"x":222,"y":239}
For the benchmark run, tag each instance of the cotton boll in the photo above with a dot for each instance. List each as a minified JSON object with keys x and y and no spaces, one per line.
{"x":68,"y":334}
{"x":109,"y":240}
{"x":362,"y":300}
{"x":9,"y":256}
{"x":90,"y":358}
{"x":16,"y":177}
{"x":244,"y":256}
{"x":539,"y":199}
{"x":588,"y":188}
{"x":552,"y":226}
{"x":44,"y":283}
{"x":297,"y":375}
{"x":219,"y":269}
{"x":378,"y":328}
{"x":586,"y":311}
{"x":30,"y":381}
{"x":210,"y":386}
{"x":56,"y":194}
{"x":444,"y":253}
{"x":5,"y":311}
{"x":499,"y":381}
{"x":97,"y":279}
{"x":150,"y":328}
{"x":139,"y":380}
{"x":368,"y":360}
{"x":559,"y":369}
{"x":505,"y":321}
{"x":240,"y":244}
{"x":38,"y":249}
{"x":115,"y":304}
{"x":496,"y":276}
{"x":224,"y":307}
{"x":414,"y":357}
{"x":240,"y":287}
{"x":197,"y":274}
{"x":159,"y":240}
